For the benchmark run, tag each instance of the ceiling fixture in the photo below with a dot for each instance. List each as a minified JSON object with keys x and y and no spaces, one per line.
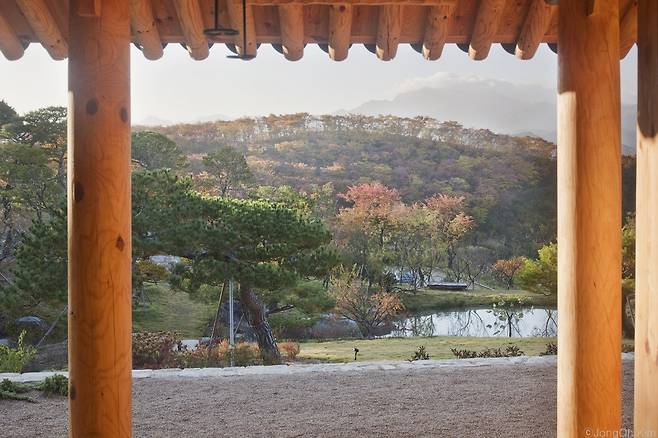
{"x":218,"y":30}
{"x":243,"y":53}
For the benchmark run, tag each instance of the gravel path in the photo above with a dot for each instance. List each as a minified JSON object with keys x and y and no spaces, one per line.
{"x":496,"y":400}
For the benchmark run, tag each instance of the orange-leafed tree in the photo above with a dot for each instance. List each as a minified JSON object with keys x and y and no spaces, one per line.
{"x":371,"y":210}
{"x":369,"y":309}
{"x":507,"y":269}
{"x":449,"y":222}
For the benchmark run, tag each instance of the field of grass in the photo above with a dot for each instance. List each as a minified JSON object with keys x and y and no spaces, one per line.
{"x":172,"y":311}
{"x":428,"y":299}
{"x":403,"y":348}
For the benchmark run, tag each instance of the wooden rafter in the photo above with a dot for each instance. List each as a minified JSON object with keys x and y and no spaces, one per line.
{"x":291,"y":19}
{"x":340,"y":28}
{"x":145,"y":29}
{"x":191,"y":22}
{"x":486,"y":25}
{"x":43,"y":24}
{"x":389,"y":27}
{"x":436,"y":31}
{"x":534,"y":28}
{"x":628,"y":30}
{"x":10,"y":45}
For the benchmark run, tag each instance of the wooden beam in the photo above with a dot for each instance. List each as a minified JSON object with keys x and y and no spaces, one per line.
{"x":340,"y":30}
{"x":291,"y":23}
{"x":589,"y":221}
{"x":145,"y":30}
{"x":10,"y":45}
{"x":646,"y":241}
{"x":486,"y":26}
{"x":352,"y":2}
{"x":535,"y":26}
{"x":389,"y":27}
{"x":628,"y":30}
{"x":235,"y":14}
{"x":436,"y":31}
{"x":89,"y":8}
{"x":191,"y":23}
{"x":99,"y":234}
{"x":45,"y":27}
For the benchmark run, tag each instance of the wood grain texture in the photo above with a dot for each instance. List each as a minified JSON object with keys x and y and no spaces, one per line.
{"x":191,"y":22}
{"x":99,"y":234}
{"x":628,"y":30}
{"x":589,"y":220}
{"x":144,"y":29}
{"x":535,"y":26}
{"x":486,"y":26}
{"x":89,"y":8}
{"x":340,"y":30}
{"x":45,"y":27}
{"x":291,"y":19}
{"x":388,"y":31}
{"x":10,"y":45}
{"x":436,"y":31}
{"x":235,"y":13}
{"x":646,"y":255}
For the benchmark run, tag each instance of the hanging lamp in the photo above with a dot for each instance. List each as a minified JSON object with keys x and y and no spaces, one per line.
{"x":218,"y":30}
{"x":243,"y":55}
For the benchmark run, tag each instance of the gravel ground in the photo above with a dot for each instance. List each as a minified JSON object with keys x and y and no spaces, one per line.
{"x":482,"y":401}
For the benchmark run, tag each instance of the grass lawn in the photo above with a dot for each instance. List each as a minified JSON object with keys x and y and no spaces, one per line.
{"x":438,"y":347}
{"x":428,"y":299}
{"x":171,"y":311}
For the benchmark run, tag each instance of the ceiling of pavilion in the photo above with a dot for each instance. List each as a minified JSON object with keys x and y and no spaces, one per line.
{"x":288,"y":25}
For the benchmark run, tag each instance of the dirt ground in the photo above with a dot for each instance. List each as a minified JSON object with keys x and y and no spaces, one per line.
{"x":485,"y":401}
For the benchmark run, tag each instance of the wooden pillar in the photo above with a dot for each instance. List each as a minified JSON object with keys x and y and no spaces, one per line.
{"x":646,"y":261}
{"x":99,"y":241}
{"x":589,"y":220}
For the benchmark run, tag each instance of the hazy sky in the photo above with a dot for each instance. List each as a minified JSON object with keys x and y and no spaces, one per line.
{"x":177,"y":88}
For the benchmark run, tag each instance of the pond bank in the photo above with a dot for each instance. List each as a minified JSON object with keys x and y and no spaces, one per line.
{"x":428,"y":299}
{"x":438,"y":347}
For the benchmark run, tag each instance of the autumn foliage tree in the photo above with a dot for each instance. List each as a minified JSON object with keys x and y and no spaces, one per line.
{"x":355,"y":300}
{"x":367,"y":227}
{"x":449,"y":222}
{"x":507,"y":269}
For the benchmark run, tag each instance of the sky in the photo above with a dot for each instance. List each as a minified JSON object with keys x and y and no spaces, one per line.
{"x":177,"y":88}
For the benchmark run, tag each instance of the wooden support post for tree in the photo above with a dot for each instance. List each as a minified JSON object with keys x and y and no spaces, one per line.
{"x":646,"y":271}
{"x":589,"y":219}
{"x":99,"y":235}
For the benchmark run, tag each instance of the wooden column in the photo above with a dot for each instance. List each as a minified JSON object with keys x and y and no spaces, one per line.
{"x":99,"y":241}
{"x":589,"y":220}
{"x":646,"y":261}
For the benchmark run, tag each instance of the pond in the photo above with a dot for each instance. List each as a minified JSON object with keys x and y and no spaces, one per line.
{"x":482,"y":322}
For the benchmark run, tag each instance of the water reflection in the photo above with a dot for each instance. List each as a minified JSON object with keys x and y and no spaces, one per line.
{"x":523,"y":322}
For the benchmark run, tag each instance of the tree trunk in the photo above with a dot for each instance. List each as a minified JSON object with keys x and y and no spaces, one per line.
{"x":257,"y":317}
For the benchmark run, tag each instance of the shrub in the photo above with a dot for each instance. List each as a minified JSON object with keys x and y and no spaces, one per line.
{"x":420,"y":354}
{"x":510,"y":351}
{"x":8,"y":386}
{"x":154,"y":350}
{"x":55,"y":385}
{"x":219,"y":355}
{"x":290,"y":349}
{"x":14,"y":391}
{"x":551,"y":349}
{"x":13,"y":360}
{"x":247,"y":354}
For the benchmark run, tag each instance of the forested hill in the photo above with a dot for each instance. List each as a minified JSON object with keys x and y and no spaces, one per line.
{"x":509,"y":182}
